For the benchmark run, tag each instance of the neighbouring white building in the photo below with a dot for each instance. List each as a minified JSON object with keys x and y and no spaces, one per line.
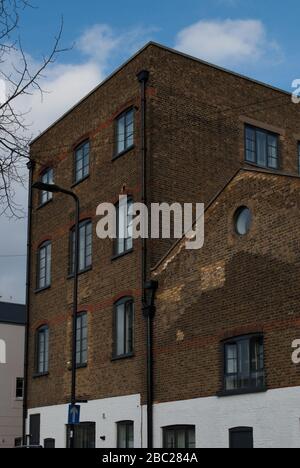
{"x":12,"y":335}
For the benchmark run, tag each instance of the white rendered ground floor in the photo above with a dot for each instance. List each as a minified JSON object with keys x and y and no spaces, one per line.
{"x":274,"y":417}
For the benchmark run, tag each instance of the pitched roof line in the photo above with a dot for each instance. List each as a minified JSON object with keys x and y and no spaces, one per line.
{"x":168,"y":49}
{"x":243,"y":168}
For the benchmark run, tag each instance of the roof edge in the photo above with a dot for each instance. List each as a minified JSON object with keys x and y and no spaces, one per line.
{"x":215,"y":198}
{"x":168,"y":49}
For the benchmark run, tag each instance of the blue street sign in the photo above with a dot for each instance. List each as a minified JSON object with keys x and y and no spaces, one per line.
{"x":74,"y":414}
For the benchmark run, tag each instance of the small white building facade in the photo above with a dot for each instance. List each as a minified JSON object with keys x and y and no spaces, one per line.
{"x":12,"y":336}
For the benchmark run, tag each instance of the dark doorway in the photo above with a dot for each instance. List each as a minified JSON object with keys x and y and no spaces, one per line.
{"x":84,"y":437}
{"x":35,"y":429}
{"x":241,"y":438}
{"x":49,"y":443}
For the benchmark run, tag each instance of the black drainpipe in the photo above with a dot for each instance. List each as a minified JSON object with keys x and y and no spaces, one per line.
{"x":143,"y":78}
{"x":30,"y":166}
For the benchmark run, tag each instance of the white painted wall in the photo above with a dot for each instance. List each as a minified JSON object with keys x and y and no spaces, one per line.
{"x":106,"y":413}
{"x":11,"y":368}
{"x":275,"y":417}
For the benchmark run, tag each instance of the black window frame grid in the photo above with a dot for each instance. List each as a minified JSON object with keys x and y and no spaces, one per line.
{"x":88,"y":223}
{"x":44,"y":247}
{"x":127,"y":147}
{"x":46,"y":177}
{"x":44,"y":331}
{"x":19,"y":388}
{"x":268,"y":133}
{"x":86,"y":161}
{"x":80,"y":349}
{"x":243,"y":389}
{"x":187,"y":428}
{"x":124,"y":302}
{"x":127,"y":246}
{"x":127,"y":425}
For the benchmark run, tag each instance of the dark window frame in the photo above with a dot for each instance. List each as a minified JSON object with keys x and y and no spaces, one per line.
{"x":298,"y":148}
{"x":46,"y":177}
{"x":79,"y":342}
{"x":239,"y":430}
{"x":124,"y":301}
{"x":44,"y":331}
{"x":83,"y":224}
{"x":236,"y":217}
{"x":268,"y":133}
{"x":20,"y":388}
{"x":44,"y":247}
{"x":118,"y":153}
{"x":81,"y":147}
{"x":128,"y":242}
{"x":242,"y":389}
{"x":176,"y":428}
{"x":86,"y":429}
{"x":127,"y":424}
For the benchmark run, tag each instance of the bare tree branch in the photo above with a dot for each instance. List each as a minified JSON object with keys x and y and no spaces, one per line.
{"x":21,"y":78}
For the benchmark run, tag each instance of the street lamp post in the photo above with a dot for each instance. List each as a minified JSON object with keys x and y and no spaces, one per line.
{"x":52,"y":188}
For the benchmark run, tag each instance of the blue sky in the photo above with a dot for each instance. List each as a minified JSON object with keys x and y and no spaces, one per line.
{"x":163,"y":20}
{"x":256,"y":38}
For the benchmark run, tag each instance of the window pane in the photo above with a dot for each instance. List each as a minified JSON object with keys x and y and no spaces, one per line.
{"x":261,"y":142}
{"x":129,"y":327}
{"x":121,"y":134}
{"x":122,"y":433}
{"x":231,"y":359}
{"x":120,"y":327}
{"x":250,"y":144}
{"x":181,"y":439}
{"x":82,"y":162}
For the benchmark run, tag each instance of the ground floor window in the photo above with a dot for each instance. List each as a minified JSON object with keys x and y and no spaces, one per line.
{"x":125,"y":434}
{"x":179,"y":437}
{"x":84,"y":435}
{"x":241,"y":438}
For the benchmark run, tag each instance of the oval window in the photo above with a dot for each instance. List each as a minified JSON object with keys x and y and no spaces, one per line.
{"x":243,"y":219}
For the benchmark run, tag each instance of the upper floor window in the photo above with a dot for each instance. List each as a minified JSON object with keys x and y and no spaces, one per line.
{"x":123,"y":327}
{"x":42,"y":350}
{"x":47,"y":177}
{"x":125,"y":434}
{"x":19,"y":388}
{"x":124,"y":240}
{"x":82,"y":162}
{"x":262,"y":147}
{"x":244,"y":364}
{"x":124,"y":131}
{"x":177,"y":437}
{"x":81,"y":340}
{"x":85,"y":247}
{"x":44,"y":266}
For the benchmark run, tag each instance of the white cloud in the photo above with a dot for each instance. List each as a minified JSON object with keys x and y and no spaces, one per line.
{"x":228,"y":42}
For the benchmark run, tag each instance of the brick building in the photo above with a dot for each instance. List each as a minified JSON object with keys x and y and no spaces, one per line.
{"x":166,"y":127}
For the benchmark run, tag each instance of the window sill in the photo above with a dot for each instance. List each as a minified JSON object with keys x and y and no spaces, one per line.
{"x":43,"y":205}
{"x":119,"y":155}
{"x":80,"y":273}
{"x":245,"y":391}
{"x":39,"y":376}
{"x":38,"y":291}
{"x":117,"y":256}
{"x":122,"y":358}
{"x":80,"y":181}
{"x":263,"y":168}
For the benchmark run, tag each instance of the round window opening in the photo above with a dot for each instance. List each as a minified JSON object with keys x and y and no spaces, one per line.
{"x":243,"y":220}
